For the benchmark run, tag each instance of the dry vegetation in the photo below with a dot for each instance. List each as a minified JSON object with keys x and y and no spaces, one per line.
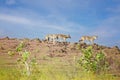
{"x":56,"y":62}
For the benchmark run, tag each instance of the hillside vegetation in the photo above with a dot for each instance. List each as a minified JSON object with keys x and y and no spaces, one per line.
{"x":35,"y":59}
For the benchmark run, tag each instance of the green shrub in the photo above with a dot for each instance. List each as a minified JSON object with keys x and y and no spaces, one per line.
{"x":92,"y":62}
{"x":24,"y":62}
{"x":20,"y":46}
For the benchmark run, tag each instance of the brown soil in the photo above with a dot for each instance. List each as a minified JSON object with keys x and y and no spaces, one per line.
{"x":40,"y":49}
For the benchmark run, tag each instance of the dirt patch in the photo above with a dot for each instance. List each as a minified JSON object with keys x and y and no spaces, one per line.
{"x":62,"y":50}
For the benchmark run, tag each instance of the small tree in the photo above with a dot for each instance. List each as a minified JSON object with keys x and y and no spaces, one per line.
{"x":24,"y":60}
{"x":92,"y":62}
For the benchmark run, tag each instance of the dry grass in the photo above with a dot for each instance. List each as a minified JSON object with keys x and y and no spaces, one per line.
{"x":61,"y":66}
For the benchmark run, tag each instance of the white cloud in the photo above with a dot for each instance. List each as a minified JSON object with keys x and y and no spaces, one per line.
{"x":30,"y":18}
{"x":36,"y":23}
{"x":14,"y":19}
{"x":58,"y":6}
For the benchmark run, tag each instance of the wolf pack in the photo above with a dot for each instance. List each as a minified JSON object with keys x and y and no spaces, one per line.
{"x":63,"y":37}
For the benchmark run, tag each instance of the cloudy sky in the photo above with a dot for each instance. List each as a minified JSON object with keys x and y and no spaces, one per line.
{"x":36,"y":18}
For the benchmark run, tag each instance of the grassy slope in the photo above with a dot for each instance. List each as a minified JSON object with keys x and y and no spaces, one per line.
{"x":52,"y":69}
{"x":49,"y":68}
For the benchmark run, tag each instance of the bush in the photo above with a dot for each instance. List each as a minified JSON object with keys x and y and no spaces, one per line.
{"x":92,"y":62}
{"x":24,"y":62}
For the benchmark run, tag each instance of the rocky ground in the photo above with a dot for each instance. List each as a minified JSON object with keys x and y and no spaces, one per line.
{"x":40,"y":49}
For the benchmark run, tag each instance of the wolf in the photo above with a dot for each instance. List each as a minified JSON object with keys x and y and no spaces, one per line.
{"x":63,"y":37}
{"x":55,"y":37}
{"x":51,"y":38}
{"x":88,"y":38}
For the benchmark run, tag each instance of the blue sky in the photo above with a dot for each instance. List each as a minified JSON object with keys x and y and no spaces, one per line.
{"x":36,"y":18}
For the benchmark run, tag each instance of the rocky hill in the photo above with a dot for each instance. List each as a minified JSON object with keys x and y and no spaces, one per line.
{"x":63,"y":50}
